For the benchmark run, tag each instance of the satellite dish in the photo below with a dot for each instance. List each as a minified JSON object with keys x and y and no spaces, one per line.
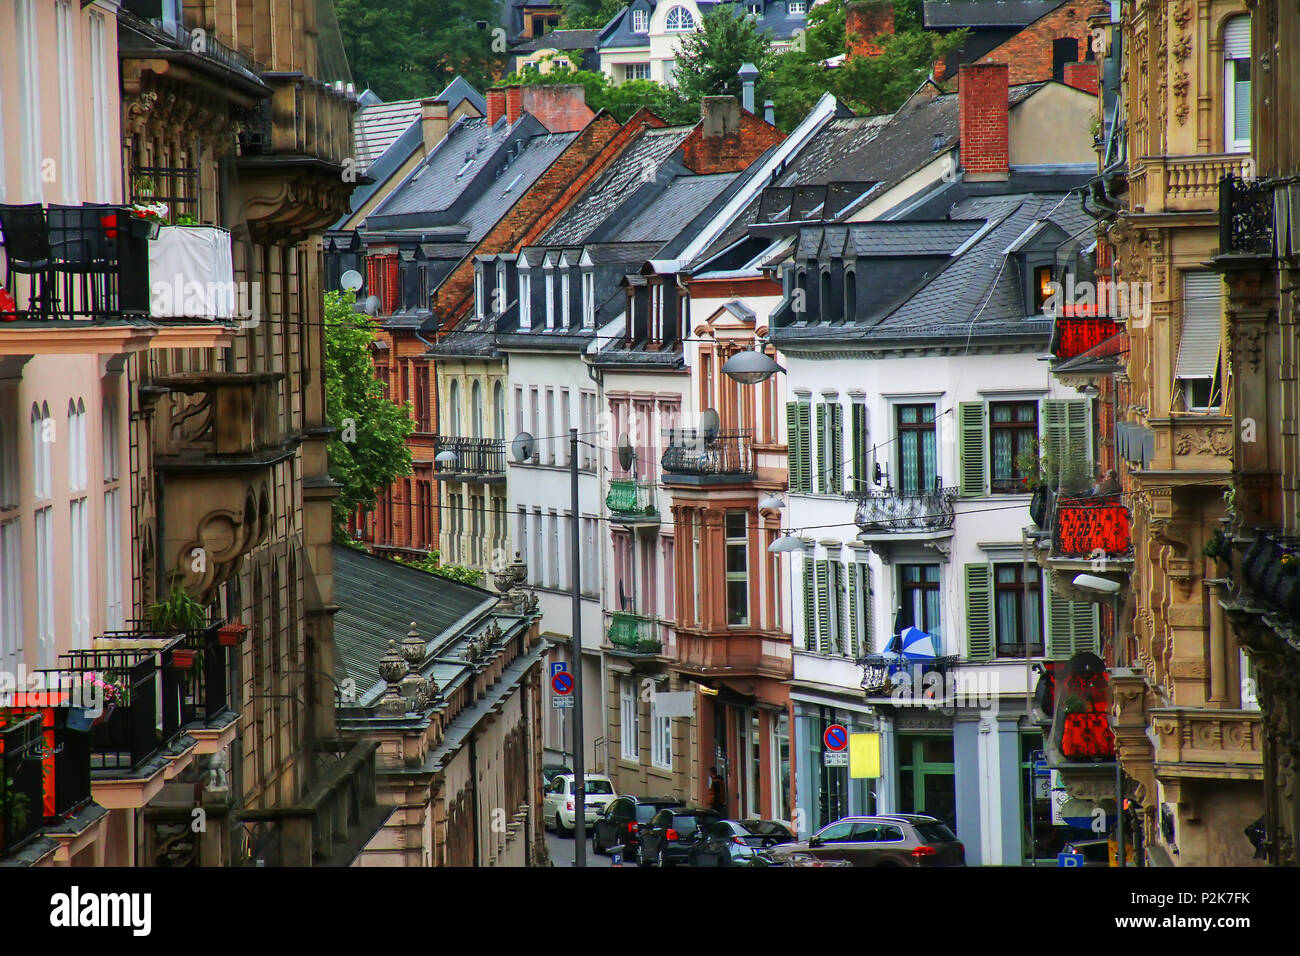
{"x":522,"y":447}
{"x":626,"y":455}
{"x":350,"y":281}
{"x":370,"y":306}
{"x":710,"y":425}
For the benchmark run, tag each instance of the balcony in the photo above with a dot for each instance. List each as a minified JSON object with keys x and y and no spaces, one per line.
{"x":478,"y":460}
{"x":1182,"y":183}
{"x":634,"y":634}
{"x":1196,"y":743}
{"x":632,"y":502}
{"x":1246,"y":223}
{"x":1091,"y":528}
{"x":890,"y":513}
{"x":305,"y":119}
{"x":218,"y":420}
{"x":1270,"y":574}
{"x":695,"y":457}
{"x":891,"y":680}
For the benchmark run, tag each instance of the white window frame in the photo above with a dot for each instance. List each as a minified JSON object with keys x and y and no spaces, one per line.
{"x":681,"y":26}
{"x":65,"y":22}
{"x":640,"y":21}
{"x":661,"y":742}
{"x":797,"y":8}
{"x":629,"y":716}
{"x":737,"y":576}
{"x":550,"y":298}
{"x":1233,"y":48}
{"x":588,"y":300}
{"x":479,"y":299}
{"x":564,"y":299}
{"x":525,"y":302}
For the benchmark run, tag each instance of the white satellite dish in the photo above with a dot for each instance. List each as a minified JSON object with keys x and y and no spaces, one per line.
{"x":710,"y":425}
{"x":522,"y":447}
{"x":626,"y":454}
{"x":350,"y":281}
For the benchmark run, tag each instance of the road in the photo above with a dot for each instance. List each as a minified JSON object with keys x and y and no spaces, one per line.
{"x":561,"y":850}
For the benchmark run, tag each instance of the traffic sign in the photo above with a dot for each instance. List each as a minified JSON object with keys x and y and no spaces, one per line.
{"x":559,"y":667}
{"x":1039,"y":760}
{"x":562,"y":683}
{"x":836,"y":737}
{"x":561,"y":703}
{"x":835,"y":758}
{"x":1069,"y":859}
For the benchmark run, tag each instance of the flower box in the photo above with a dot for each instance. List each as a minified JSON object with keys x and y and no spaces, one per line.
{"x":230,"y":635}
{"x":183,"y":658}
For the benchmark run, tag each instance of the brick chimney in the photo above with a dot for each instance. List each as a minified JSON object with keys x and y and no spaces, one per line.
{"x":727,"y":138}
{"x":496,"y":105}
{"x":560,"y":108}
{"x":982,"y":98}
{"x":433,"y":123}
{"x":1082,"y":76}
{"x":719,"y":115}
{"x":865,"y":24}
{"x":514,"y":103}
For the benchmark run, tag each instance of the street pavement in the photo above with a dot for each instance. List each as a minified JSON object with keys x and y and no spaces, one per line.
{"x":561,"y":850}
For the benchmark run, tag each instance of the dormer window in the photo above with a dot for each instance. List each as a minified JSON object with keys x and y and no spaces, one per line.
{"x":679,"y":20}
{"x":657,"y":312}
{"x":478,"y":291}
{"x":588,"y":300}
{"x":564,"y":298}
{"x":754,"y":10}
{"x":640,"y":21}
{"x":550,"y":298}
{"x":499,"y":298}
{"x":525,"y":302}
{"x":1043,"y":287}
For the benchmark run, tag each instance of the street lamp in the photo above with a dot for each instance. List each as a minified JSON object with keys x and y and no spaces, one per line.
{"x":751,"y":366}
{"x":446,"y":457}
{"x":772,"y":502}
{"x":522,"y":447}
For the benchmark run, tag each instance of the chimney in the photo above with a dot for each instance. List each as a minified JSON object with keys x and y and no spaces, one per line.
{"x":433,"y":123}
{"x":940,"y":70}
{"x":496,"y":105}
{"x":514,"y":103}
{"x":1082,"y":76}
{"x":561,"y":108}
{"x":769,"y":112}
{"x":982,"y":98}
{"x":864,"y":24}
{"x":748,"y":74}
{"x":719,"y":116}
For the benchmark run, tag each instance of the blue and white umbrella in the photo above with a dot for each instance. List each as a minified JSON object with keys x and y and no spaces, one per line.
{"x":916,"y":645}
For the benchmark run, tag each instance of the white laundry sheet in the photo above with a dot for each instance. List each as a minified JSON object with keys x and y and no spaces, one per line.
{"x":191,"y":274}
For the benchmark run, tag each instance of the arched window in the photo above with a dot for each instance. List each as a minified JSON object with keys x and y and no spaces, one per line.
{"x":824,"y":304}
{"x":850,"y":295}
{"x":41,"y":450}
{"x":1236,"y":85}
{"x":499,"y":409}
{"x":679,"y":20}
{"x":77,"y":445}
{"x":453,"y":396}
{"x":476,"y":409}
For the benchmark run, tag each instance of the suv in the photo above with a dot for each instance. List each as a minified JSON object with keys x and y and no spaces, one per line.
{"x":558,"y":806}
{"x":622,"y":821}
{"x":891,"y":839}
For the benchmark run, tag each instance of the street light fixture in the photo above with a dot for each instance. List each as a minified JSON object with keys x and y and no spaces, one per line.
{"x":771,"y":503}
{"x":786,"y":544}
{"x":751,"y":366}
{"x":446,"y":457}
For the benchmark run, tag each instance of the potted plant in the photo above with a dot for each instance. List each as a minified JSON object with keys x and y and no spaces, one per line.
{"x":110,"y":694}
{"x":179,"y":612}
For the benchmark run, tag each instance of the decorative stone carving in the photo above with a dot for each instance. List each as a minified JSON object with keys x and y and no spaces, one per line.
{"x":515,"y":598}
{"x":392,"y":667}
{"x":1204,"y":441}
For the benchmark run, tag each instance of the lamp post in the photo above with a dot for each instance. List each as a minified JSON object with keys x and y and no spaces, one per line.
{"x":1100,"y":585}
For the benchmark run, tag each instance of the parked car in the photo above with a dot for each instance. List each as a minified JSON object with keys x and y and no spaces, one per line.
{"x":897,"y":839}
{"x":1094,"y":852}
{"x":735,"y":843}
{"x":621,"y":822}
{"x":551,"y":770}
{"x":667,"y":840}
{"x":559,"y":809}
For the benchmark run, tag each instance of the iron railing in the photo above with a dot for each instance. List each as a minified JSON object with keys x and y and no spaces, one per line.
{"x":176,"y":186}
{"x":629,"y":499}
{"x":479,"y":457}
{"x":22,"y":788}
{"x":74,"y":262}
{"x":892,"y":512}
{"x":884,"y":675}
{"x":1091,"y":528}
{"x":691,"y":451}
{"x":633,"y":632}
{"x":1270,"y":572}
{"x":1246,"y":223}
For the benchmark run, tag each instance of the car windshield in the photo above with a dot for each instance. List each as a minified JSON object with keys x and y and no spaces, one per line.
{"x":686,"y":823}
{"x":644,"y":811}
{"x":935,"y":833}
{"x":599,"y":786}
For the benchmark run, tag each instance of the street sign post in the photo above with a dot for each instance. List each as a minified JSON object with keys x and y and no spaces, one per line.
{"x":836,"y":737}
{"x":561,"y":689}
{"x":1069,"y":859}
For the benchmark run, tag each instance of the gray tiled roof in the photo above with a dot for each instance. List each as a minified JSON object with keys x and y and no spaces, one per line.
{"x":776,"y":21}
{"x":378,"y":600}
{"x":684,"y":199}
{"x":888,"y":239}
{"x":954,"y":14}
{"x":559,"y":40}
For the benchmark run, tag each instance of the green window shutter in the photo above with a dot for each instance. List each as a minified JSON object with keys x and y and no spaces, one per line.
{"x":837,"y":449}
{"x":805,"y":447}
{"x":819,"y":459}
{"x":861,"y":467}
{"x":794,"y":447}
{"x":979,"y":613}
{"x":970,"y":423}
{"x":809,"y":606}
{"x":855,"y":611}
{"x":1072,"y":627}
{"x":837,"y":592}
{"x":823,"y":607}
{"x":1066,"y":439}
{"x":862,"y":637}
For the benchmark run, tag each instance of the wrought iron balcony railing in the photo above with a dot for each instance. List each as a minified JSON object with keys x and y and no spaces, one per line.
{"x":634,"y":633}
{"x":1246,"y":222}
{"x":631,"y":500}
{"x":475,"y":457}
{"x":87,"y":262}
{"x":907,"y":681}
{"x":1091,"y":528}
{"x":896,"y":512}
{"x":22,"y":790}
{"x":691,"y":451}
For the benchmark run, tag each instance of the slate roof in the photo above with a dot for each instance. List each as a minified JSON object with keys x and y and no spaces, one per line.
{"x":379,"y":125}
{"x":378,"y":600}
{"x":890,"y":239}
{"x":559,"y":40}
{"x":776,"y":21}
{"x":635,"y":166}
{"x":955,"y":14}
{"x":684,"y":199}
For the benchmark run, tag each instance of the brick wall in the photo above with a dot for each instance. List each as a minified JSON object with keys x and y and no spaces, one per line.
{"x":727,"y":138}
{"x":514,"y":103}
{"x":982,"y":111}
{"x":1029,"y":52}
{"x":496,"y":105}
{"x":865,"y":23}
{"x":561,"y":109}
{"x":1082,"y":76}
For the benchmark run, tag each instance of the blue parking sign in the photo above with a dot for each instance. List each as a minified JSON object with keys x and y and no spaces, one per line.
{"x":1069,"y":859}
{"x":559,"y":667}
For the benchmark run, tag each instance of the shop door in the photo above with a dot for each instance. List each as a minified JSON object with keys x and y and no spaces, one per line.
{"x":925,"y":777}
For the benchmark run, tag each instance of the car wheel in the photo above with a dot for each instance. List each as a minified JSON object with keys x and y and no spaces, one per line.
{"x":663,"y":861}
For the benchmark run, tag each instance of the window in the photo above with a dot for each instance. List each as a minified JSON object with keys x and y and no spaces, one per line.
{"x":550,"y":299}
{"x":99,"y":109}
{"x":29,"y":100}
{"x":919,"y":598}
{"x":499,"y":298}
{"x":453,"y":408}
{"x":630,"y":724}
{"x":479,"y":300}
{"x":640,"y":21}
{"x":850,"y":295}
{"x":1064,"y":50}
{"x":679,"y":20}
{"x":11,"y":591}
{"x":636,"y":71}
{"x":1197,"y":368}
{"x":78,"y":527}
{"x":476,"y":410}
{"x":1013,"y":432}
{"x":830,"y":447}
{"x":1016,"y":615}
{"x":564,"y":298}
{"x":754,"y":10}
{"x":588,"y":300}
{"x":661,"y":742}
{"x":525,"y":303}
{"x":499,"y":410}
{"x":918,"y":469}
{"x":829,"y":592}
{"x":799,"y":445}
{"x":65,"y":20}
{"x":1236,"y":80}
{"x":797,"y":8}
{"x":42,"y":438}
{"x":1043,"y":287}
{"x":737,"y":562}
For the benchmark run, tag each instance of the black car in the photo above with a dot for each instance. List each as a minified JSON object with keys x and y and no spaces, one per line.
{"x":668,"y":838}
{"x":738,"y":843}
{"x":621,"y":822}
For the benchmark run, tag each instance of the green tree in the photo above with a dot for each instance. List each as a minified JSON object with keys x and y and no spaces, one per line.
{"x":875,"y":84}
{"x":403,"y":49}
{"x":709,"y":60}
{"x":622,"y":100}
{"x":368,"y":449}
{"x":588,"y":14}
{"x":455,"y":572}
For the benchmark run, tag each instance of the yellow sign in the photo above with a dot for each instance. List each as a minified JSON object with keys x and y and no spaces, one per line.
{"x":864,"y":755}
